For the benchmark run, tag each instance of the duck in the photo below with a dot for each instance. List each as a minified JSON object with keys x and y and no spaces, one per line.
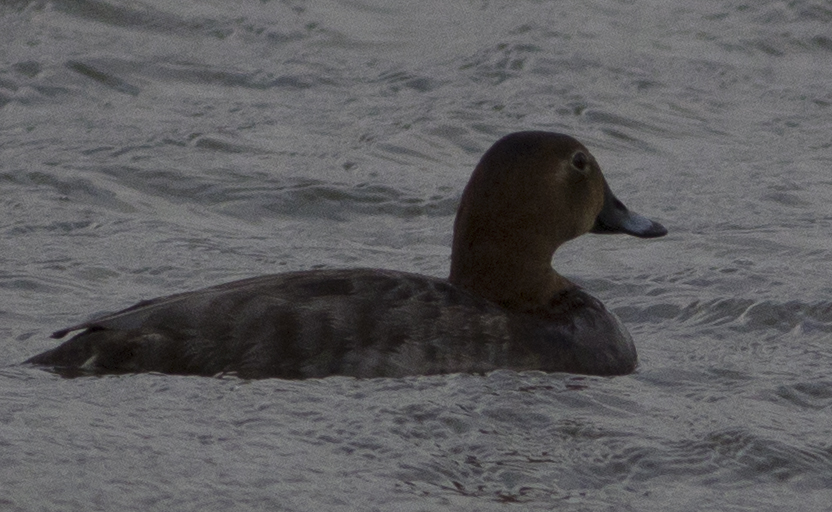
{"x":502,"y":306}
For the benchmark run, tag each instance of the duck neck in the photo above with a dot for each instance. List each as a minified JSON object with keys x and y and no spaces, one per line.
{"x":520,"y":284}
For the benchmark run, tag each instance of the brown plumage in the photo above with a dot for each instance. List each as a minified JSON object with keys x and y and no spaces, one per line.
{"x":503,"y":305}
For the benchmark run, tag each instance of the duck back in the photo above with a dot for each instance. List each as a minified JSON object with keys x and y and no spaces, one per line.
{"x":358,"y":322}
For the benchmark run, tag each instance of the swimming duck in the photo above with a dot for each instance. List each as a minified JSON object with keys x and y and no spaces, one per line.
{"x":503,"y":306}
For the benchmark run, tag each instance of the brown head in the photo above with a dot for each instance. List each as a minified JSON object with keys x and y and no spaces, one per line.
{"x":530,"y":193}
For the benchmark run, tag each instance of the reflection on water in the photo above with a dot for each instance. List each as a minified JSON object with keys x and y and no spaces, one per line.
{"x":151,"y":148}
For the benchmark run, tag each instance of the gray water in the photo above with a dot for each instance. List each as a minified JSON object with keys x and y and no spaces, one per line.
{"x":153,"y":147}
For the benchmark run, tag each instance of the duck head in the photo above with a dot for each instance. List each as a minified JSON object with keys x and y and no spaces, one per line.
{"x":530,"y":193}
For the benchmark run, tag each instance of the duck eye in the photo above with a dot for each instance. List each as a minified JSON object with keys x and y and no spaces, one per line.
{"x":580,"y":160}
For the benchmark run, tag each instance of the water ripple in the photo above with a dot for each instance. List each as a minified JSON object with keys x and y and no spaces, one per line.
{"x":739,"y":314}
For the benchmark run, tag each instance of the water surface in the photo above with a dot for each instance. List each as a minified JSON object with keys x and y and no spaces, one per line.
{"x":149,"y":148}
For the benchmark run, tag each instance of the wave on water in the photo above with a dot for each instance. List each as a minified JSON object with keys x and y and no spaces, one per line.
{"x":738,"y":314}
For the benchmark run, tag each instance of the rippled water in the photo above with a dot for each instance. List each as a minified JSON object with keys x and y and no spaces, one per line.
{"x":152,"y":147}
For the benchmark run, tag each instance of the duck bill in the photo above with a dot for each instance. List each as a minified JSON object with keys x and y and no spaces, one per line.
{"x":616,"y":218}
